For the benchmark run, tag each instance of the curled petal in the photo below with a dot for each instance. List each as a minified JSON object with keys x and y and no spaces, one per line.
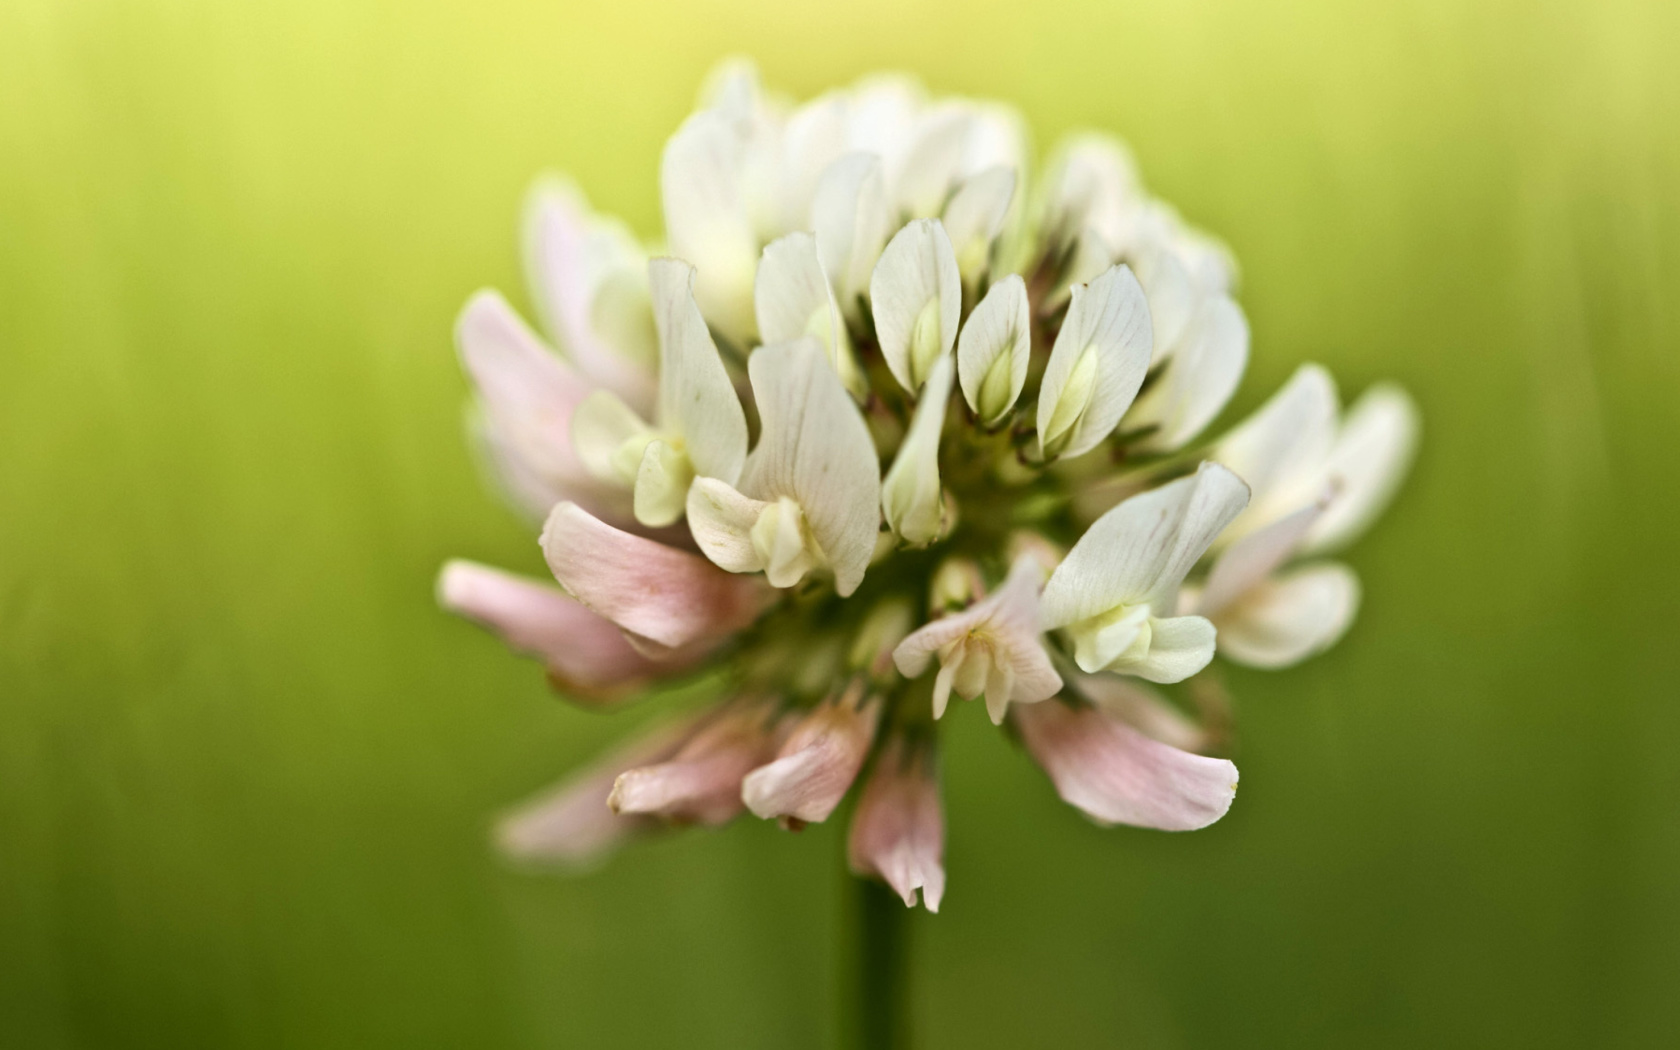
{"x":589,"y":281}
{"x":1199,"y":379}
{"x":817,"y":764}
{"x":570,"y":823}
{"x":1137,"y":554}
{"x":994,"y":350}
{"x":916,"y":295}
{"x":815,"y":450}
{"x":1287,"y":618}
{"x":701,"y":782}
{"x":579,"y":647}
{"x":1095,"y":368}
{"x":1370,"y":457}
{"x":666,"y":596}
{"x":911,"y":497}
{"x":898,"y":831}
{"x":850,"y":220}
{"x":706,"y":217}
{"x":1116,"y":775}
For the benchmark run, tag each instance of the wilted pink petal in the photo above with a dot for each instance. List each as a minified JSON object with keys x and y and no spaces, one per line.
{"x":898,"y":831}
{"x":1116,"y":775}
{"x":580,"y":648}
{"x":670,"y":597}
{"x":570,"y":823}
{"x":817,"y":764}
{"x":702,"y":781}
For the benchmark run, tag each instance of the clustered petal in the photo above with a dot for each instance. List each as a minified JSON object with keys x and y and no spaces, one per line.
{"x":890,"y":418}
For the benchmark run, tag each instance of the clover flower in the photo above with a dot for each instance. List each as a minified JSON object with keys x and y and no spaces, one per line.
{"x":883,"y":421}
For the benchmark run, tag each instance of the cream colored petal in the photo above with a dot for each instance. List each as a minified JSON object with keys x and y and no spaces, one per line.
{"x":1372,"y":453}
{"x":1199,"y":379}
{"x":911,"y":497}
{"x":934,"y":160}
{"x":1281,"y":449}
{"x":994,"y":350}
{"x":1179,"y":646}
{"x":1290,"y":617}
{"x":816,"y":450}
{"x":706,"y":218}
{"x":814,"y":138}
{"x":662,"y":483}
{"x":722,"y":521}
{"x":1091,"y":181}
{"x":793,"y":300}
{"x":697,"y":399}
{"x":1254,"y":557}
{"x":1099,"y":361}
{"x":974,"y":217}
{"x":849,"y":217}
{"x":1172,"y":297}
{"x":603,"y":430}
{"x":1138,"y":553}
{"x":916,"y":295}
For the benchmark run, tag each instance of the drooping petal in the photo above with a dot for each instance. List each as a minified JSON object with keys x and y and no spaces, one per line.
{"x":994,"y":350}
{"x":1143,"y":709}
{"x":1099,"y":361}
{"x":1287,"y":618}
{"x":697,"y":400}
{"x":701,"y":782}
{"x":974,"y":217}
{"x":1116,"y":775}
{"x":1371,"y":455}
{"x":666,"y":596}
{"x":706,"y":217}
{"x":1137,"y":554}
{"x":817,"y":763}
{"x":1254,"y":557}
{"x":1281,"y":449}
{"x":815,"y":449}
{"x":579,"y":647}
{"x":911,"y":497}
{"x":850,"y":220}
{"x":793,"y":300}
{"x":898,"y":830}
{"x":588,"y":280}
{"x":570,"y":824}
{"x":1199,"y":379}
{"x":916,"y":295}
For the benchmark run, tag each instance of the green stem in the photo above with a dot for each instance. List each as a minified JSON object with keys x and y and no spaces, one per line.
{"x":880,"y":992}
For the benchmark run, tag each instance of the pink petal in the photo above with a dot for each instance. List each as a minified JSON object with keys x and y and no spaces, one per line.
{"x":1143,"y":709}
{"x":580,"y":648}
{"x":670,"y":597}
{"x":570,"y":823}
{"x":1116,"y":775}
{"x":817,"y":764}
{"x":898,"y":831}
{"x":702,"y":781}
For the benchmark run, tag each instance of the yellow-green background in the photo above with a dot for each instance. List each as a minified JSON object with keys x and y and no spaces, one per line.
{"x":246,"y":766}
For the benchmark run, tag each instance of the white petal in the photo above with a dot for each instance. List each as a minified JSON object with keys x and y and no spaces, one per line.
{"x":1106,"y":329}
{"x":934,"y":160}
{"x":1092,"y":181}
{"x":1172,"y":299}
{"x":882,"y":116}
{"x":1139,"y":552}
{"x":1255,"y":557}
{"x":1372,"y":454}
{"x":793,"y":300}
{"x":1280,"y":450}
{"x":975,"y":215}
{"x":849,"y":217}
{"x":916,"y":295}
{"x":662,"y":482}
{"x":589,"y":281}
{"x":1199,"y":379}
{"x":602,"y":427}
{"x":1290,"y":617}
{"x":706,"y":219}
{"x":994,"y":350}
{"x":722,"y":521}
{"x":816,"y":450}
{"x":697,"y":399}
{"x":814,"y":138}
{"x":911,"y":497}
{"x":1179,"y":646}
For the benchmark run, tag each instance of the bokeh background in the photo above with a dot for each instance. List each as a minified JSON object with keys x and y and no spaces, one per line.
{"x":246,"y":768}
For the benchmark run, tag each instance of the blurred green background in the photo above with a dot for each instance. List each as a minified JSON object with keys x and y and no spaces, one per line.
{"x":246,"y":767}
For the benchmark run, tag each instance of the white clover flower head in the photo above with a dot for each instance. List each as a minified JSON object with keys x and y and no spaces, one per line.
{"x":889,"y":418}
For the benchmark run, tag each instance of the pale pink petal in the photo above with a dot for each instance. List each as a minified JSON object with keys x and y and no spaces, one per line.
{"x":1143,"y":709}
{"x":578,"y":646}
{"x":570,"y":824}
{"x":1116,"y":775}
{"x":702,"y":781}
{"x":670,"y":597}
{"x":817,"y":764}
{"x":898,"y":830}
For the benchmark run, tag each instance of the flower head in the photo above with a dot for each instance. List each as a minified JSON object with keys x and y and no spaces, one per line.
{"x":825,"y":450}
